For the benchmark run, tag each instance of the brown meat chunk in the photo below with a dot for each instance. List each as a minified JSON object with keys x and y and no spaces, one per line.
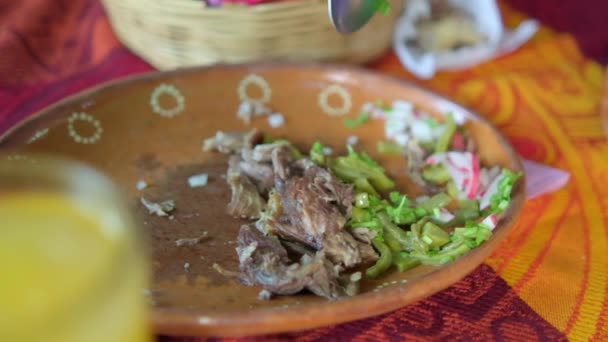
{"x":260,"y":174}
{"x":306,"y":210}
{"x":231,"y":142}
{"x":262,"y":153}
{"x":245,"y":201}
{"x":281,"y":158}
{"x":327,"y":186}
{"x":367,"y":252}
{"x":263,"y":261}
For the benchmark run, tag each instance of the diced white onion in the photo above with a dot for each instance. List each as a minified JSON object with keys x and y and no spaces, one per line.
{"x":276,"y":120}
{"x":352,"y":140}
{"x":141,"y":184}
{"x":198,"y":180}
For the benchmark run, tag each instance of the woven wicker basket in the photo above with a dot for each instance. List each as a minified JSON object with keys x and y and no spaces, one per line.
{"x":178,"y":33}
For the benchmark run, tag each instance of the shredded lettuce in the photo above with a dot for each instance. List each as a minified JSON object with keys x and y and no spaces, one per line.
{"x":363,"y":157}
{"x":436,"y":174}
{"x":437,"y":201}
{"x":354,"y":123}
{"x":388,"y":147}
{"x":364,"y":213}
{"x":382,"y":105}
{"x":473,"y":234}
{"x":502,"y":198}
{"x":356,"y":166}
{"x":404,"y":262}
{"x":362,"y":184}
{"x":408,"y":233}
{"x":468,"y":210}
{"x":452,"y":246}
{"x":401,"y":212}
{"x":432,"y":122}
{"x":434,"y":236}
{"x":384,"y":262}
{"x":317,"y":154}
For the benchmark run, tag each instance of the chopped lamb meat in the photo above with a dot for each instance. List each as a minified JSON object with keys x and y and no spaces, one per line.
{"x":342,"y":248}
{"x":323,"y":277}
{"x":364,"y":234}
{"x":256,"y":164}
{"x":263,"y":152}
{"x":297,"y":249}
{"x":245,"y":201}
{"x":327,"y":186}
{"x":309,"y":218}
{"x":368,"y":254}
{"x":308,"y":214}
{"x":281,"y":157}
{"x":415,"y":161}
{"x":260,"y":174}
{"x":231,"y":142}
{"x":264,"y":262}
{"x":299,"y":241}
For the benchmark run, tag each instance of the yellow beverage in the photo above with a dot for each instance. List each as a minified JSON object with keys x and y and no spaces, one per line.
{"x":71,"y":266}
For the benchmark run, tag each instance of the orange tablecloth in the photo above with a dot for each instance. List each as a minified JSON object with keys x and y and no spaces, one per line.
{"x":549,"y":280}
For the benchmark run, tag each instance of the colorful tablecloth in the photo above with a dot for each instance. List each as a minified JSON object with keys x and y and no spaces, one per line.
{"x":547,"y":281}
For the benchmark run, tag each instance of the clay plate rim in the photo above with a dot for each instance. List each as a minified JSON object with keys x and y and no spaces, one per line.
{"x":272,"y":320}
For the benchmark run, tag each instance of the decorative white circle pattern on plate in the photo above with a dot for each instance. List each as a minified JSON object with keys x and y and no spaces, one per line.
{"x":170,"y":90}
{"x":335,"y":89}
{"x":39,"y":134}
{"x":88,"y":118}
{"x":259,"y":81}
{"x":15,"y":157}
{"x":20,"y":158}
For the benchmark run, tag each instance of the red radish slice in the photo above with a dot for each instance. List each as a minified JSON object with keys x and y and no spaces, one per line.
{"x":431,"y":160}
{"x":490,"y":221}
{"x":444,"y":215}
{"x":458,"y":141}
{"x":484,"y":201}
{"x":475,"y":180}
{"x":461,"y":161}
{"x":464,"y":169}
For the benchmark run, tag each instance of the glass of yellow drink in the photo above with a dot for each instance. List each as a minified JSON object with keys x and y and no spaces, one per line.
{"x":72,"y":265}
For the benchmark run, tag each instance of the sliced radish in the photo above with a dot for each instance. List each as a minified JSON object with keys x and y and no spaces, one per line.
{"x":486,"y":178}
{"x":491,"y":221}
{"x":458,"y":141}
{"x":462,"y":167}
{"x":484,"y":181}
{"x":432,"y":160}
{"x":492,"y":189}
{"x":461,"y":161}
{"x":444,"y":215}
{"x":474,"y":186}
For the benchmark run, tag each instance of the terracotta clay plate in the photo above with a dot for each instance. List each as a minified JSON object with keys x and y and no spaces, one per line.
{"x":151,"y":128}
